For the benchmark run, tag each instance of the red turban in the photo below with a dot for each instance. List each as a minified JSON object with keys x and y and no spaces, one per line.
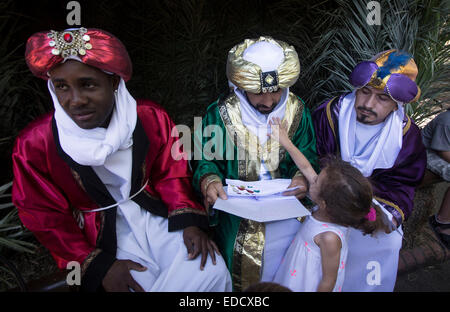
{"x":95,"y":47}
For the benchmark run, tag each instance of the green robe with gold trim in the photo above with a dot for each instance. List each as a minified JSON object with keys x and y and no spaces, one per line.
{"x":229,"y":151}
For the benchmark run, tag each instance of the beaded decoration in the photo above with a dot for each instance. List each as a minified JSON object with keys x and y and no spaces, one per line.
{"x":70,"y":42}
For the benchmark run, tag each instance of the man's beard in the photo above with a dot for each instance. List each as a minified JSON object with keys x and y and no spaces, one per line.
{"x":363,"y":118}
{"x":264,"y":110}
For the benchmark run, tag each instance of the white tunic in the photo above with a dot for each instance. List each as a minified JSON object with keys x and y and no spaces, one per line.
{"x":278,"y":236}
{"x":144,"y":238}
{"x":372,"y":261}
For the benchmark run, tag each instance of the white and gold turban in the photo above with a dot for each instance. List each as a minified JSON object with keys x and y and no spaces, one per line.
{"x":263,"y":65}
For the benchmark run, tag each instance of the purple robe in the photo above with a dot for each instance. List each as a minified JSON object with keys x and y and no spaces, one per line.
{"x":394,"y":187}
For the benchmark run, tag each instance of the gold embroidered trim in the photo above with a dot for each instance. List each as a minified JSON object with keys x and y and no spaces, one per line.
{"x":392,"y":205}
{"x":294,"y":109}
{"x":89,"y":259}
{"x":408,"y":125}
{"x":77,"y":178}
{"x":102,"y":224}
{"x":242,"y":157}
{"x":330,"y":120}
{"x":187,"y":210}
{"x":209,"y":178}
{"x":150,"y":195}
{"x":78,"y":216}
{"x":144,"y":172}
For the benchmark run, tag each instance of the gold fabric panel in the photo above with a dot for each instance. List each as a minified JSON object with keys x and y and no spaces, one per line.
{"x":248,"y":249}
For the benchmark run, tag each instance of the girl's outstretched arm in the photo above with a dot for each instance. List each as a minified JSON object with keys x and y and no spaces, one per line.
{"x":279,"y":132}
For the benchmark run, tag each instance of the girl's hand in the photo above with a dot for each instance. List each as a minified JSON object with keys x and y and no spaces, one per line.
{"x":279,"y":131}
{"x":302,"y":189}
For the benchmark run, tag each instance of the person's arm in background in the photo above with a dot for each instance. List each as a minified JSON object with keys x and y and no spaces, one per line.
{"x":444,"y":155}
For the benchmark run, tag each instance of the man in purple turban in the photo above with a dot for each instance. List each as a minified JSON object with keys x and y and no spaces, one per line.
{"x":369,"y":128}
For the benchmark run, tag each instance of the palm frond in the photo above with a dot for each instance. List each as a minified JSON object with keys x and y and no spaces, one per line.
{"x":343,"y":38}
{"x":12,"y":234}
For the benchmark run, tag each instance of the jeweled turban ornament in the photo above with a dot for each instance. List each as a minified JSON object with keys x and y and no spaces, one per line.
{"x":94,"y":47}
{"x":391,"y":71}
{"x":256,"y":78}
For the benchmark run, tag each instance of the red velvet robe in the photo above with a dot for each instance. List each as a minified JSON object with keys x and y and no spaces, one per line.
{"x":50,"y":191}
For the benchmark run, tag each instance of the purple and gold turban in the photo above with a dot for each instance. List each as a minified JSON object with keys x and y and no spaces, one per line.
{"x":393,"y":72}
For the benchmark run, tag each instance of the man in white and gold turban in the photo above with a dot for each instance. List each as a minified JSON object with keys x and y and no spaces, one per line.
{"x":260,"y":73}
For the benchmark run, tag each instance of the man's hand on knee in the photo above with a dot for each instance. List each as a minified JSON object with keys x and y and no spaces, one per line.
{"x":119,"y":279}
{"x":197,"y":242}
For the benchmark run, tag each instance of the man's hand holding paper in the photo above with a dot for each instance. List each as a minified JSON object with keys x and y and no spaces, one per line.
{"x":260,"y":200}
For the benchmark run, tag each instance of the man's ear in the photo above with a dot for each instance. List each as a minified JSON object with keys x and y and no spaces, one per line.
{"x":115,"y":81}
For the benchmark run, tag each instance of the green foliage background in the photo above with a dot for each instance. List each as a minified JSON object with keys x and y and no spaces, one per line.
{"x":179,"y":50}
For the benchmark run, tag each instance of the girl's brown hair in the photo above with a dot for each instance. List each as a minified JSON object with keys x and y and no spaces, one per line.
{"x":348,"y":196}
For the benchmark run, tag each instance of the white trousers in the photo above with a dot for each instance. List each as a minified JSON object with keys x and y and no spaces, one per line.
{"x":372,"y":262}
{"x":166,"y":258}
{"x":278,"y":237}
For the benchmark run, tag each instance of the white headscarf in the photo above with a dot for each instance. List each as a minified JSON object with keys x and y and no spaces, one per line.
{"x":381,"y":150}
{"x":256,"y":122}
{"x":91,"y":147}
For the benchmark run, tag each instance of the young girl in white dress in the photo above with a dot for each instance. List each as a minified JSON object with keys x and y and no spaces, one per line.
{"x":316,"y":258}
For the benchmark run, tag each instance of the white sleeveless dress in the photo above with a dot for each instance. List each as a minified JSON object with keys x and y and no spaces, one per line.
{"x":301,"y":268}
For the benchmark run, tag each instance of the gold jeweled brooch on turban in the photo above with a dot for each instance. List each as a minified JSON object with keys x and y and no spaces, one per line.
{"x":94,"y":47}
{"x":69,"y":42}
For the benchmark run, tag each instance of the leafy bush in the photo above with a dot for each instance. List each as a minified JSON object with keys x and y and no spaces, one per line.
{"x":21,"y":95}
{"x":342,"y":38}
{"x":179,"y":48}
{"x":12,"y":237}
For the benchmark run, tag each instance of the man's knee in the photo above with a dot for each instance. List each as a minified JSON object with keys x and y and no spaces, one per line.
{"x":218,"y":270}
